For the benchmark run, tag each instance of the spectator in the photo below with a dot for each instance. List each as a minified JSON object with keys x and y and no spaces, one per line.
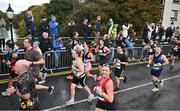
{"x":113,"y":32}
{"x":145,"y":33}
{"x":120,"y":41}
{"x":72,"y":29}
{"x":3,"y":32}
{"x":97,"y":28}
{"x":58,"y":46}
{"x":177,"y":33}
{"x":54,"y":27}
{"x":45,"y":43}
{"x":130,"y":49}
{"x":85,"y":29}
{"x":169,"y":34}
{"x":150,"y":30}
{"x":44,"y":25}
{"x":131,"y":31}
{"x":109,"y":24}
{"x":10,"y":59}
{"x":161,"y":32}
{"x":106,"y":40}
{"x":30,"y":26}
{"x":125,"y":31}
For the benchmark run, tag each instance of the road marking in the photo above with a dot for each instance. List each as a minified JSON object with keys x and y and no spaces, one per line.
{"x":128,"y":89}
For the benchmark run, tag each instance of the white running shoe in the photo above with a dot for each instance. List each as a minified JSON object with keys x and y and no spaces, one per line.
{"x":148,"y":66}
{"x":71,"y":101}
{"x":79,"y":86}
{"x":5,"y":94}
{"x":42,"y":81}
{"x":51,"y":90}
{"x":90,"y":98}
{"x":155,"y":89}
{"x":161,"y":84}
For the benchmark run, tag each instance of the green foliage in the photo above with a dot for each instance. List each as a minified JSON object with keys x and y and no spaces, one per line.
{"x":3,"y":15}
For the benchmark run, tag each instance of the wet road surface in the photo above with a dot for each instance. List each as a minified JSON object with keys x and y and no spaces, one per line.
{"x":136,"y":94}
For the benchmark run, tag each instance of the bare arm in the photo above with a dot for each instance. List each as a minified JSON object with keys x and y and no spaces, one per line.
{"x":41,"y":61}
{"x":150,"y":60}
{"x":11,"y":90}
{"x":80,"y":65}
{"x":125,"y":63}
{"x":109,"y":96}
{"x":107,"y":51}
{"x":90,"y":55}
{"x":166,"y":61}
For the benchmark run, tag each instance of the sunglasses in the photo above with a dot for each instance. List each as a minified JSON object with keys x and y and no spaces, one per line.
{"x":106,"y":65}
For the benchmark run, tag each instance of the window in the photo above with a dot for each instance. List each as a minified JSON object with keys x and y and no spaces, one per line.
{"x":174,"y":15}
{"x":176,"y":1}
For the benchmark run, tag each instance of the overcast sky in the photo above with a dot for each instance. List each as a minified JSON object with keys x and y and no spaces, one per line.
{"x":20,"y":5}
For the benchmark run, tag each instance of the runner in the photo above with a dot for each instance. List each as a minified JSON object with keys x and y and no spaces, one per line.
{"x":121,"y":61}
{"x":25,"y":88}
{"x":87,"y":58}
{"x":103,"y":52}
{"x":79,"y":76}
{"x":175,"y":53}
{"x":104,"y":90}
{"x":158,"y":60}
{"x":35,"y":59}
{"x":151,"y":51}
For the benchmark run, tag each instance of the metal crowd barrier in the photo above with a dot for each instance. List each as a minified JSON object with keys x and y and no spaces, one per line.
{"x":5,"y":69}
{"x":57,"y":60}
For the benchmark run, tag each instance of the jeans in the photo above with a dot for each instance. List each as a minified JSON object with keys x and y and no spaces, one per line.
{"x":57,"y":58}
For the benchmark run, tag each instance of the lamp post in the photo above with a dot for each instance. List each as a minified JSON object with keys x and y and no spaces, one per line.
{"x":10,"y":14}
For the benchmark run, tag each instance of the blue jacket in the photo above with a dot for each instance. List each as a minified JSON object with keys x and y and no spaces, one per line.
{"x":53,"y":27}
{"x":29,"y":23}
{"x":58,"y":44}
{"x":129,"y":44}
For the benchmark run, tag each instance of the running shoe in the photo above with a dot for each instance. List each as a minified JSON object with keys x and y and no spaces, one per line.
{"x":51,"y":90}
{"x":69,"y":77}
{"x":155,"y":89}
{"x":116,"y":89}
{"x":70,"y":102}
{"x":6,"y":94}
{"x":148,"y":66}
{"x":90,"y":98}
{"x":42,"y":81}
{"x":161,"y":84}
{"x":79,"y":86}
